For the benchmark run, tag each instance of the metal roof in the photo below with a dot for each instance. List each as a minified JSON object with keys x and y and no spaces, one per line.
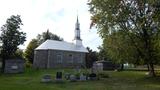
{"x":61,"y":45}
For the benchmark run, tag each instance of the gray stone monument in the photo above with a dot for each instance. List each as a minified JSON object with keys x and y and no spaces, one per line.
{"x":82,"y":77}
{"x":67,"y":76}
{"x":92,"y":76}
{"x":46,"y":78}
{"x":73,"y":78}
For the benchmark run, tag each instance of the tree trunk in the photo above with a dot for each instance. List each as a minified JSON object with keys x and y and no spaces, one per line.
{"x":148,"y":67}
{"x":122,"y":67}
{"x":3,"y":65}
{"x":151,"y":70}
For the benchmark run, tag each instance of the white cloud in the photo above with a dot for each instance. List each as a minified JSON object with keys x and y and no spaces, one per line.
{"x":57,"y":15}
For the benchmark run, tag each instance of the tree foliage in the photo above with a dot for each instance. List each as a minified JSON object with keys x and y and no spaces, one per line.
{"x":19,"y":54}
{"x":47,"y":35}
{"x":29,"y":52}
{"x":102,"y":54}
{"x":137,"y":19}
{"x":11,"y":36}
{"x":91,"y":57}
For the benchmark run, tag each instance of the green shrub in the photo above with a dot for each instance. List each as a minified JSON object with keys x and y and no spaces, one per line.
{"x":77,"y":75}
{"x":28,"y":65}
{"x":157,"y":73}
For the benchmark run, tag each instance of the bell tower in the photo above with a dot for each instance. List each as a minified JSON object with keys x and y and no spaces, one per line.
{"x":77,"y":39}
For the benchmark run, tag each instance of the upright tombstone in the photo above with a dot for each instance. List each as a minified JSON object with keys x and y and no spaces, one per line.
{"x":82,"y":77}
{"x":14,"y":66}
{"x":58,"y":76}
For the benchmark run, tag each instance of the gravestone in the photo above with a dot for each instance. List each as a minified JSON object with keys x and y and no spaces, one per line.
{"x":73,"y":78}
{"x":92,"y":76}
{"x":82,"y":77}
{"x":14,"y":66}
{"x":67,"y":76}
{"x":58,"y":77}
{"x":46,"y":78}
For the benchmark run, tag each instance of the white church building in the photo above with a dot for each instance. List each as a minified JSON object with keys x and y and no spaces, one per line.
{"x":61,"y":54}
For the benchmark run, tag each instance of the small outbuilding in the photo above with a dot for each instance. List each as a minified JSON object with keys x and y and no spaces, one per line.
{"x":14,"y":66}
{"x":106,"y":65}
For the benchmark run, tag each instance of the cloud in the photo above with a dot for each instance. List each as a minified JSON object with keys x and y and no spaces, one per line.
{"x":59,"y":16}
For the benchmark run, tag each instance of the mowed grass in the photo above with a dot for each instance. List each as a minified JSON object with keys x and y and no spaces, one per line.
{"x":125,"y":80}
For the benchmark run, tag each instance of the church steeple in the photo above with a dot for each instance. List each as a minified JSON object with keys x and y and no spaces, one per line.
{"x":77,"y":30}
{"x":77,"y":38}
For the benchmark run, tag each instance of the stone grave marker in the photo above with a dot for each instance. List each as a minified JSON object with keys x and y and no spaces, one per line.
{"x":46,"y":78}
{"x":58,"y":77}
{"x":73,"y":78}
{"x":92,"y":76}
{"x":82,"y":77}
{"x":67,"y":76}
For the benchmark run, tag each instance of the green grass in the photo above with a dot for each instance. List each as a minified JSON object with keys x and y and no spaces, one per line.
{"x":125,"y":80}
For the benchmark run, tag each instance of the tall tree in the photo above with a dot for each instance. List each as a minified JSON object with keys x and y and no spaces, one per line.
{"x":34,"y":43}
{"x":91,"y":57}
{"x":47,"y":35}
{"x":11,"y":37}
{"x":102,"y":54}
{"x":29,"y":52}
{"x":137,"y":18}
{"x":19,"y":54}
{"x":119,"y":48}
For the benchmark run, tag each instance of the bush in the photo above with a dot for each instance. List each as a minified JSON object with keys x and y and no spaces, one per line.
{"x":77,"y":76}
{"x":157,"y":73}
{"x":28,"y":65}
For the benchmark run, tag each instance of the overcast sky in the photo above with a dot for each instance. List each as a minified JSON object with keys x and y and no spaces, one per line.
{"x":59,"y":16}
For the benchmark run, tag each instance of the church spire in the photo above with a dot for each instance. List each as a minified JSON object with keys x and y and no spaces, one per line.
{"x":77,"y":38}
{"x":77,"y":19}
{"x":77,"y":30}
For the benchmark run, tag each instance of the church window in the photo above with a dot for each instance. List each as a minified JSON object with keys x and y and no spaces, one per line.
{"x":79,"y":59}
{"x":70,"y":58}
{"x":59,"y":58}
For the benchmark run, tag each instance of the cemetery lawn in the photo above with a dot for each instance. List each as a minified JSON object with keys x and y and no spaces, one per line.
{"x":125,"y":80}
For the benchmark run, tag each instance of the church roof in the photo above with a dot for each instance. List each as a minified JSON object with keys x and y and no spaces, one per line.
{"x":61,"y":45}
